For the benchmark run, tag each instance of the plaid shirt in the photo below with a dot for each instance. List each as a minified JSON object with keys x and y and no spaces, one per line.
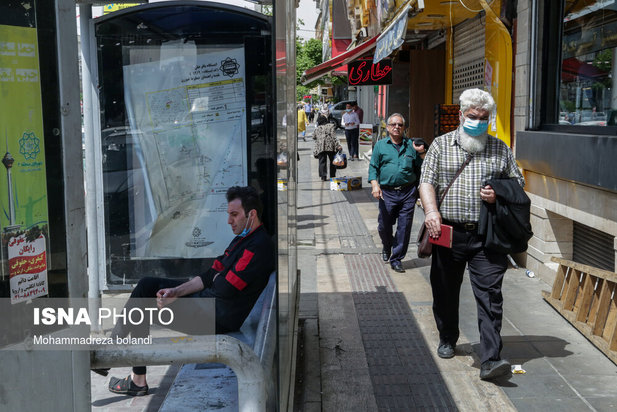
{"x":443,"y":159}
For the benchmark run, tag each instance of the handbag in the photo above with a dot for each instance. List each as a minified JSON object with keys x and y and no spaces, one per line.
{"x":425,"y":248}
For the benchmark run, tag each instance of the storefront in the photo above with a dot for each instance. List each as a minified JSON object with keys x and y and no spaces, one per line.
{"x":437,"y":49}
{"x":565,"y":120}
{"x":449,"y":47}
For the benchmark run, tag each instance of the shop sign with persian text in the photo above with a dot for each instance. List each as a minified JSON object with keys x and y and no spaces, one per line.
{"x":367,"y":73}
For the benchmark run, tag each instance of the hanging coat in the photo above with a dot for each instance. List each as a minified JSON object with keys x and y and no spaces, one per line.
{"x":505,"y":224}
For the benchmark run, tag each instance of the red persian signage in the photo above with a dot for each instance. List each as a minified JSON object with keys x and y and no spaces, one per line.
{"x":365,"y":73}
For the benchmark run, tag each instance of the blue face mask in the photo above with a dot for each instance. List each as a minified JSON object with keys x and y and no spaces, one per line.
{"x":475,"y":127}
{"x":247,"y":228}
{"x":348,"y":110}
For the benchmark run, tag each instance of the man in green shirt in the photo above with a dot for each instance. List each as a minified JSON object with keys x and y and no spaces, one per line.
{"x":393,"y":173}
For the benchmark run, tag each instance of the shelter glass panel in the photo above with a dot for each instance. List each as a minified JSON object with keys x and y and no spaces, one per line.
{"x":185,"y":114}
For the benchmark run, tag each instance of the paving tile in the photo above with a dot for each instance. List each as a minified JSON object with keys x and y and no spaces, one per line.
{"x":542,"y":403}
{"x":347,"y":390}
{"x":390,"y":315}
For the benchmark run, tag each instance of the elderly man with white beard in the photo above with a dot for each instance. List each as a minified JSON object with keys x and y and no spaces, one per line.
{"x":489,"y":158}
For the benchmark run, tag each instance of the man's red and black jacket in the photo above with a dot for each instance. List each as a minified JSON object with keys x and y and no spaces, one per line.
{"x":243,"y":272}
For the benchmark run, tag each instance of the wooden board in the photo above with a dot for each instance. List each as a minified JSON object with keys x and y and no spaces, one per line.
{"x":584,"y":296}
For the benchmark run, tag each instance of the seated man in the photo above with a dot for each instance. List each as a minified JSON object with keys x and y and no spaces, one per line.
{"x":235,"y":281}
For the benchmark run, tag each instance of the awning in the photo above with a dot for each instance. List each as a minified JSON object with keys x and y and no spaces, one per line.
{"x":392,"y":36}
{"x":572,"y":68}
{"x":328,"y":66}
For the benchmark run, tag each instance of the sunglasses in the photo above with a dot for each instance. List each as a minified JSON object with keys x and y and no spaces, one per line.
{"x":396,"y":124}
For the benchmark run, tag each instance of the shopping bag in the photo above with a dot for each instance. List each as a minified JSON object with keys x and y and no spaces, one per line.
{"x":340,"y":160}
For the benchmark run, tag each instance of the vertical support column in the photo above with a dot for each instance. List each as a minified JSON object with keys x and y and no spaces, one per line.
{"x":449,"y":65}
{"x":73,"y":367}
{"x":524,"y":75}
{"x":85,"y":15}
{"x":498,"y":52}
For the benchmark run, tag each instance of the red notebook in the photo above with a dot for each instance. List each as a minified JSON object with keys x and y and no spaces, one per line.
{"x":445,"y":239}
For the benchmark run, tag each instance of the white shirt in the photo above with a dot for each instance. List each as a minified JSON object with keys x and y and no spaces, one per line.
{"x":350,"y":120}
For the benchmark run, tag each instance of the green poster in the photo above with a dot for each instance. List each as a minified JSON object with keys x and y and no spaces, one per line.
{"x":23,"y":185}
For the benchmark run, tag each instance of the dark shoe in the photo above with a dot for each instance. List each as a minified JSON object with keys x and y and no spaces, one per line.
{"x":494,"y":369}
{"x":324,"y":178}
{"x":445,"y":350}
{"x":397,"y":267}
{"x":385,"y":254}
{"x":127,"y":387}
{"x":101,"y":371}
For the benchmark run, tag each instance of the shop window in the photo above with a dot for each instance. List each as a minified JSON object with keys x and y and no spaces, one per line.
{"x":586,"y":68}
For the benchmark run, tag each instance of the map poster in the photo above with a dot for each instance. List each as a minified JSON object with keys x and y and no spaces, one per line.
{"x":28,"y":268}
{"x":189,"y":113}
{"x":23,"y":184}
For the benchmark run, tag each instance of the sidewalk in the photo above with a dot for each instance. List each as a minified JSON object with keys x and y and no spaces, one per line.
{"x":368,"y":338}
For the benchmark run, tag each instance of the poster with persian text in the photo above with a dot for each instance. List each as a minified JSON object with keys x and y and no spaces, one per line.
{"x":28,"y":268}
{"x":188,"y":113}
{"x":23,"y":182}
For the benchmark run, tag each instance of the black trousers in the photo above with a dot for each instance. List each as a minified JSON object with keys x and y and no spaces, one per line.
{"x":396,"y":207}
{"x":325,"y":159}
{"x":352,"y":136}
{"x":486,"y":270}
{"x":183,"y":309}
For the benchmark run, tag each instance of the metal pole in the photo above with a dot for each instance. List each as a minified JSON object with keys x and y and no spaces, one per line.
{"x":614,"y":80}
{"x":94,"y":301}
{"x":214,"y":348}
{"x":532,"y":47}
{"x":8,"y":161}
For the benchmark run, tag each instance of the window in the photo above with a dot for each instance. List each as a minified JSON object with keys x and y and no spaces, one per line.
{"x":587,"y":94}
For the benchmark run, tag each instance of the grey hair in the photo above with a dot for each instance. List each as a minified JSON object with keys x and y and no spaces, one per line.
{"x":477,"y":99}
{"x":395,"y":115}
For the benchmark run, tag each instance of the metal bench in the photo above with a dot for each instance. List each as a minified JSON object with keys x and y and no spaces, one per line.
{"x":249,"y":353}
{"x":207,"y":386}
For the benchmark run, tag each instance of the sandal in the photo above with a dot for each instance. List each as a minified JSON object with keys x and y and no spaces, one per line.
{"x":126,"y":387}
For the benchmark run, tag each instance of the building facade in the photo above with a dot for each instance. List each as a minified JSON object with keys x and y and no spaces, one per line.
{"x":549,"y":66}
{"x":564,"y":122}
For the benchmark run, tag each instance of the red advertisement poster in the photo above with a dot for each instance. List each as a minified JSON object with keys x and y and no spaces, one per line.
{"x":27,"y":268}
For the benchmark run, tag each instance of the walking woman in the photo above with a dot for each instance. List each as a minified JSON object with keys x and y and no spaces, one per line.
{"x":326,"y":144}
{"x":302,"y":122}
